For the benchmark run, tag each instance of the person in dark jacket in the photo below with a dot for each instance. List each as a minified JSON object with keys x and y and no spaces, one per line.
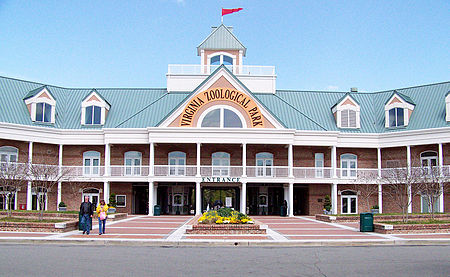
{"x":86,"y":212}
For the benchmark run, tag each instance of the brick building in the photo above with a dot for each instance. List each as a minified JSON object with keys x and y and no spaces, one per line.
{"x":222,"y":133}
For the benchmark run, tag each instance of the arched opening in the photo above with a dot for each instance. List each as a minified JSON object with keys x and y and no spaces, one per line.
{"x":221,"y":117}
{"x":349,"y":202}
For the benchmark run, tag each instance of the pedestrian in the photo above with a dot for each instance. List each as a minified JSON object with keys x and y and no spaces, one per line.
{"x":86,"y":212}
{"x":102,"y":216}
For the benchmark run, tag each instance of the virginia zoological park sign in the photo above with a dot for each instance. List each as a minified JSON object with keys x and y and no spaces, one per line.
{"x":222,"y":94}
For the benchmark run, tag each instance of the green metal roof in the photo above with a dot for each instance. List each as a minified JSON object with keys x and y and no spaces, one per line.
{"x":404,"y":97}
{"x":221,"y":38}
{"x":301,"y":110}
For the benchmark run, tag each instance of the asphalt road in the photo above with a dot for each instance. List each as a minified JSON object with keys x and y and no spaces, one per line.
{"x":60,"y":260}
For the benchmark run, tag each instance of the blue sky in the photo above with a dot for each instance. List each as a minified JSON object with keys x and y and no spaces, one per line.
{"x":315,"y":45}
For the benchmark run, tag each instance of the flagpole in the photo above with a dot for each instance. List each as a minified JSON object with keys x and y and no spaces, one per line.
{"x":221,"y":18}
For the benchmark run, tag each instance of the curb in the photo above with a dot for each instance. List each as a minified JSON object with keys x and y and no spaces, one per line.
{"x":229,"y":243}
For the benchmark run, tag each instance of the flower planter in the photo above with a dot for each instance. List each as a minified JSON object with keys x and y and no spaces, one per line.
{"x":375,"y":211}
{"x":111,"y":210}
{"x":62,"y":209}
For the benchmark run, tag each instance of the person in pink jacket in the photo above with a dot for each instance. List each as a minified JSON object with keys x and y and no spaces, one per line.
{"x":102,"y":210}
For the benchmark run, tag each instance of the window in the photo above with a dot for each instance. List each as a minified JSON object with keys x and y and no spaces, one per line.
{"x":426,"y":204}
{"x":177,"y":163}
{"x":38,"y":196}
{"x":93,"y":194}
{"x":349,"y":202}
{"x":133,"y":160}
{"x":93,"y":115}
{"x":220,"y":164}
{"x":396,"y":117}
{"x":121,"y":201}
{"x":219,"y":58}
{"x":91,"y":163}
{"x":348,"y":119}
{"x":8,"y":154}
{"x":264,"y":164}
{"x":348,"y":165}
{"x":222,"y":118}
{"x":319,"y":164}
{"x":43,"y":112}
{"x":8,"y":195}
{"x":429,"y":162}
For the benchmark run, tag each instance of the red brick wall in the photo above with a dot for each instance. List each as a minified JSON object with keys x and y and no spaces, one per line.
{"x":304,"y":156}
{"x":280,"y":153}
{"x":234,"y":150}
{"x":446,"y":150}
{"x":162,"y":151}
{"x":393,"y":154}
{"x":123,"y":189}
{"x":367,"y":158}
{"x":21,"y":145}
{"x":73,"y":154}
{"x":416,"y":150}
{"x":45,"y":153}
{"x":72,"y":196}
{"x":317,"y":191}
{"x":118,"y":153}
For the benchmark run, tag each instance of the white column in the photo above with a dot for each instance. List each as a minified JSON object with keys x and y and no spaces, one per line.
{"x":241,"y":62}
{"x":150,"y":198}
{"x":291,"y":199}
{"x":60,"y":163}
{"x":30,"y":161}
{"x":155,"y":194}
{"x":379,"y":161}
{"x":244,"y":198}
{"x":106,"y":192}
{"x":380,"y":198}
{"x":333,"y":161}
{"x":198,"y":200}
{"x":151,"y":161}
{"x":198,"y":158}
{"x":291,"y":160}
{"x":441,"y":164}
{"x":441,"y":158}
{"x":107,"y":159}
{"x":286,"y":193}
{"x":408,"y":162}
{"x":334,"y":202}
{"x":244,"y":160}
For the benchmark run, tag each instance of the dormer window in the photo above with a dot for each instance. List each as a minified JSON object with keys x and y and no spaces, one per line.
{"x":94,"y":109}
{"x":93,"y":115}
{"x":43,"y":112}
{"x":346,"y":112}
{"x":41,"y":105}
{"x":398,"y":110}
{"x":447,"y":107}
{"x":396,"y":117}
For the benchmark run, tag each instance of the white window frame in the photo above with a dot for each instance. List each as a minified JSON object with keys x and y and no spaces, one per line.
{"x":8,"y":152}
{"x":132,"y":169}
{"x":179,"y":166}
{"x":428,"y":168}
{"x":319,"y":164}
{"x":38,"y":194}
{"x":348,"y":199}
{"x":223,"y":169}
{"x":211,"y":67}
{"x":264,"y":170}
{"x":91,"y":169}
{"x":349,"y":171}
{"x":125,"y":198}
{"x":5,"y":204}
{"x":424,"y":208}
{"x":221,"y":118}
{"x":339,"y":108}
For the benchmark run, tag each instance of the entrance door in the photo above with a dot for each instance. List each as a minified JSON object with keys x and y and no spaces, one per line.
{"x":140,"y":199}
{"x":301,"y":206}
{"x":275,"y":200}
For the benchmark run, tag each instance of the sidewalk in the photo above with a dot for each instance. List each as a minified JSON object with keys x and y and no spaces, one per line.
{"x":281,"y":231}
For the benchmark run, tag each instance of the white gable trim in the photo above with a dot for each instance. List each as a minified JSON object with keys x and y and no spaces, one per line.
{"x":100,"y":103}
{"x":33,"y":101}
{"x":222,"y":72}
{"x":340,"y":107}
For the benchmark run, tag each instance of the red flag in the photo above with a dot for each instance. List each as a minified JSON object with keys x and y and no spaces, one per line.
{"x":228,"y":11}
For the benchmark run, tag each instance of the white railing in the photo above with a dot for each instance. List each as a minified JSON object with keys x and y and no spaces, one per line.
{"x":270,"y":172}
{"x":313,"y":172}
{"x":221,"y":171}
{"x":129,"y":170}
{"x":196,"y":69}
{"x":175,"y":170}
{"x":357,"y":173}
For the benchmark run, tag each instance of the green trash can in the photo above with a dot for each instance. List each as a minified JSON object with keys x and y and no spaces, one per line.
{"x":366,"y":222}
{"x":283,"y":211}
{"x":80,"y":227}
{"x":157,"y":210}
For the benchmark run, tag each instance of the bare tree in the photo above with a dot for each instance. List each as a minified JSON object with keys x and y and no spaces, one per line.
{"x":400,"y":186}
{"x":366,"y":191}
{"x":44,"y":177}
{"x":433,"y":186}
{"x":13,"y":177}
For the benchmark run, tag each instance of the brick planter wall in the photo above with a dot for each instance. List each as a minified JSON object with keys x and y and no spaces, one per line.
{"x":226,"y":229}
{"x":58,"y":227}
{"x":377,"y":217}
{"x":411,"y":228}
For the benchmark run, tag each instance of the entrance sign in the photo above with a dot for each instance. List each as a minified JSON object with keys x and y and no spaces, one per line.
{"x":222,"y":94}
{"x":221,"y":179}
